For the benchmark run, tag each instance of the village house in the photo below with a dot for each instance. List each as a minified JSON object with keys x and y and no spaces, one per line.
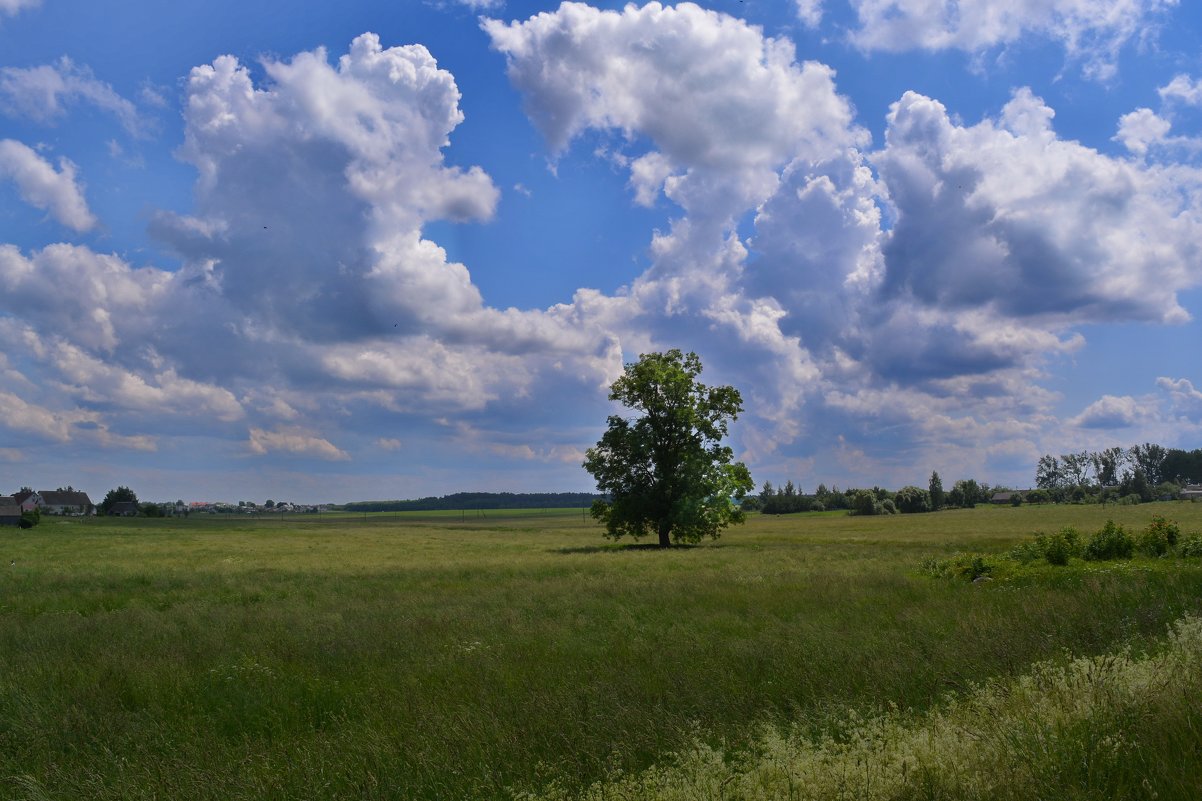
{"x":28,"y":499}
{"x":10,"y":511}
{"x":66,"y":502}
{"x":1191,"y":492}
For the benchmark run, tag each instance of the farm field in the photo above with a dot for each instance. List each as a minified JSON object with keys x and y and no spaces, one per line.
{"x":441,"y":656}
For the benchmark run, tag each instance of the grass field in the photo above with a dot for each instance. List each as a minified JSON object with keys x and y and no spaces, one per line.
{"x":458,"y":656}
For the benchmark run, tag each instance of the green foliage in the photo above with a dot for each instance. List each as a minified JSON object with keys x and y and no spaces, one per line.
{"x":667,"y":472}
{"x":1110,"y":542}
{"x":1191,"y":547}
{"x":865,"y":502}
{"x":1168,"y":529}
{"x":966,"y":566}
{"x":1039,"y":496}
{"x":116,"y":496}
{"x":911,"y":500}
{"x":935,"y":488}
{"x":1055,"y":549}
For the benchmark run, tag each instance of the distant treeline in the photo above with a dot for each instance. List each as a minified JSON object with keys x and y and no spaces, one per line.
{"x":481,"y":500}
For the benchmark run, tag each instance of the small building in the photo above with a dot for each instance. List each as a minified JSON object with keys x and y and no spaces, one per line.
{"x":28,"y":500}
{"x":124,"y":509}
{"x":1191,"y":492}
{"x":66,"y":502}
{"x":1005,"y":497}
{"x":10,"y":512}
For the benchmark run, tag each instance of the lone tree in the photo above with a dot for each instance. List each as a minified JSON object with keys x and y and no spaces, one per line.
{"x":667,"y":472}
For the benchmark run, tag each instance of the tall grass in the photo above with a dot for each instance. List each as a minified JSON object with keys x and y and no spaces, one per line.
{"x":1112,"y":726}
{"x":390,"y":658}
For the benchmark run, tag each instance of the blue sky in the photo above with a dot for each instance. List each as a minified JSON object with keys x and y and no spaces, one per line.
{"x":318,"y":253}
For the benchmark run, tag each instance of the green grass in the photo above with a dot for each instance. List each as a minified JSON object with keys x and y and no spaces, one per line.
{"x":406,"y":656}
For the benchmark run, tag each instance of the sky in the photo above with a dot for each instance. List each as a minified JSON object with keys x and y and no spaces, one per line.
{"x":329,"y":252}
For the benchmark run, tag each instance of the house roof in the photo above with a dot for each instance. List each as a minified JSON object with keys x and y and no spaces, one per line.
{"x":8,"y":509}
{"x":21,"y":497}
{"x":123,"y":506}
{"x":63,"y":498}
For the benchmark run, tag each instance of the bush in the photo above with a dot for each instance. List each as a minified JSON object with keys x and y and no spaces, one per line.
{"x":1057,"y":550}
{"x":1167,"y":528}
{"x":912,"y":500}
{"x":968,"y":566}
{"x":887,"y":507}
{"x":1111,"y":542}
{"x":1191,"y":547}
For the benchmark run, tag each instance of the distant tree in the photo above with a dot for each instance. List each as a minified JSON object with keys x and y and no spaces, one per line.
{"x":1076,"y":467}
{"x":666,"y":472}
{"x":1049,"y":474}
{"x":1150,"y":458}
{"x":67,"y":488}
{"x":151,"y":510}
{"x":965,"y":493}
{"x":116,"y":496}
{"x":935,"y":488}
{"x":766,"y":493}
{"x":270,"y":504}
{"x":1038,"y":496}
{"x":911,"y":500}
{"x":1106,"y":465}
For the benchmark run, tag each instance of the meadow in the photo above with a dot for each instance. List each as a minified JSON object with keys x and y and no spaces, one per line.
{"x":445,"y":656}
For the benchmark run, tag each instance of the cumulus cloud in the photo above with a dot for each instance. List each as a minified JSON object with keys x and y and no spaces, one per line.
{"x":1142,"y":129}
{"x":1111,"y":412}
{"x":1182,"y":89}
{"x":1093,"y":31}
{"x":296,"y":441}
{"x":810,"y":12}
{"x":984,"y":220}
{"x":43,"y":93}
{"x":43,"y":187}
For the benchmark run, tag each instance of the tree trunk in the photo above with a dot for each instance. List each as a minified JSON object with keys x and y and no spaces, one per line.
{"x":665,"y":528}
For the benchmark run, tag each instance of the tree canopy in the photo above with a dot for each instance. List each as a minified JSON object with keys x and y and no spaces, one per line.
{"x":116,"y":496}
{"x":666,"y":471}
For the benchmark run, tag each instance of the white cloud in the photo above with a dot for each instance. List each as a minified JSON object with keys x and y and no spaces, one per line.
{"x":1142,"y":129}
{"x":297,"y":441}
{"x":1184,"y":396}
{"x":810,"y":12}
{"x":43,"y":93}
{"x":43,"y":187}
{"x":14,"y":6}
{"x":985,"y":220}
{"x":1093,"y":31}
{"x":1111,"y":412}
{"x":1183,"y":89}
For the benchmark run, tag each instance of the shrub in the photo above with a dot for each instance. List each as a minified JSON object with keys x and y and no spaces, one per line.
{"x":1028,"y":551}
{"x":1168,"y":528}
{"x":1191,"y":547}
{"x":968,"y":566}
{"x":1056,"y":550}
{"x":887,"y":507}
{"x":1111,"y":542}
